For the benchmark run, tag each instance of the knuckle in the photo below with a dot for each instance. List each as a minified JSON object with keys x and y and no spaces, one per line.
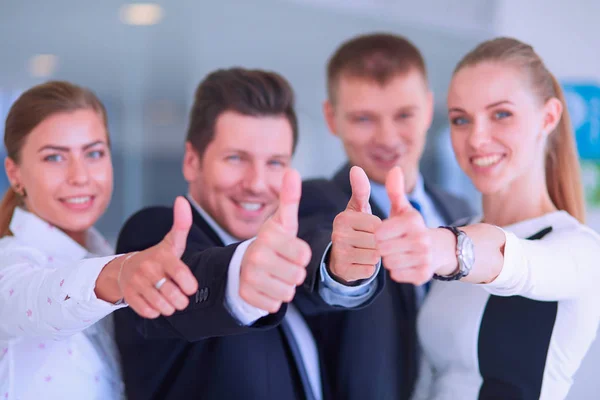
{"x":300,"y":275}
{"x":274,"y":307}
{"x":289,"y":294}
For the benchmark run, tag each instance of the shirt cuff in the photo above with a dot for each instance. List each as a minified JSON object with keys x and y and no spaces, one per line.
{"x":79,"y":283}
{"x":237,"y":307}
{"x":337,"y":294}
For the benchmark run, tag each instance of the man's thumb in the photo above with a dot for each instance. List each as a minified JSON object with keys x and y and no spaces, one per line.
{"x":182,"y":222}
{"x":361,"y":191}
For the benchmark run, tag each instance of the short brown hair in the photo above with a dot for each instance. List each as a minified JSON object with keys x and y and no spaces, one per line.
{"x":28,"y":111}
{"x":248,"y":92}
{"x":377,"y":56}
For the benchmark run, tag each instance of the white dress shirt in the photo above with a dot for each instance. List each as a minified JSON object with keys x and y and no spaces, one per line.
{"x":562,"y":266}
{"x":54,"y":342}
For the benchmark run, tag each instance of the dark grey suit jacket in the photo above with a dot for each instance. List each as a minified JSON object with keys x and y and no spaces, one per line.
{"x":369,"y":353}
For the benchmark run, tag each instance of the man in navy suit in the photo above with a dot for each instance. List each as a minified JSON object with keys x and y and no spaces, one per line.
{"x":246,"y":332}
{"x":380,"y":106}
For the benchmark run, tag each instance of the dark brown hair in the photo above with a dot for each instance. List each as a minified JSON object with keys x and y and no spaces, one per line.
{"x":378,"y":57}
{"x":248,"y":92}
{"x":27,"y":112}
{"x":563,"y":174}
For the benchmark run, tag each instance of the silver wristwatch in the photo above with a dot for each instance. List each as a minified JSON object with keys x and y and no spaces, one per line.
{"x":465,"y":255}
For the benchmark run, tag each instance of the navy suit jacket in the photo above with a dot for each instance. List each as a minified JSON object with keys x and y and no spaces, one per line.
{"x":202,"y":352}
{"x":369,"y":353}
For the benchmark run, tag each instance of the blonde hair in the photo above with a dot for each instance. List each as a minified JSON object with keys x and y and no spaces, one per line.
{"x":27,"y":112}
{"x":563,"y":174}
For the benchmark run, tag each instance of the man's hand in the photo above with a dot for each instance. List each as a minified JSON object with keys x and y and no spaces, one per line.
{"x":275,"y":262}
{"x":354,"y":254}
{"x":403,"y":239}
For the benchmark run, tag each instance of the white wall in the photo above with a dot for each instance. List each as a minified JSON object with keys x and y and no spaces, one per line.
{"x":567,"y":36}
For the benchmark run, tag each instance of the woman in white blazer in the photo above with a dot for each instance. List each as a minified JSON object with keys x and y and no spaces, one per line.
{"x":523,"y":329}
{"x":58,"y":277}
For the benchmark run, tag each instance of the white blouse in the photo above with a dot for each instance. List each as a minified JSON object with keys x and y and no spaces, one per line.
{"x":562,"y":267}
{"x":54,"y":342}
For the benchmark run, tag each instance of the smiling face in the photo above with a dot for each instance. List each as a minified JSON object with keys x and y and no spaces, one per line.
{"x":238,"y":178}
{"x":499,"y":126}
{"x":66,"y":171}
{"x":382,"y":126}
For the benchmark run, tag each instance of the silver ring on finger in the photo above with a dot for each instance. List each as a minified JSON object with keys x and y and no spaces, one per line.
{"x":159,"y":284}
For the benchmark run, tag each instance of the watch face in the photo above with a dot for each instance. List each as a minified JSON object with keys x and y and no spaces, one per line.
{"x":466,"y":252}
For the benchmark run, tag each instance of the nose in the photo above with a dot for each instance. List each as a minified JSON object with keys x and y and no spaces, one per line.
{"x":78,"y":174}
{"x":387,"y":134}
{"x":479,"y":133}
{"x":255,"y":179}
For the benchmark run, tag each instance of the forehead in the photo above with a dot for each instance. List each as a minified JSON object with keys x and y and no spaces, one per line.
{"x":406,"y":89}
{"x":69,"y":129}
{"x":259,"y":136}
{"x":486,"y":83}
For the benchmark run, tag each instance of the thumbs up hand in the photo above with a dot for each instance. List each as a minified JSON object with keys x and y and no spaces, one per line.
{"x":354,"y":254}
{"x":403,"y":239}
{"x":155,"y":281}
{"x":275,"y":262}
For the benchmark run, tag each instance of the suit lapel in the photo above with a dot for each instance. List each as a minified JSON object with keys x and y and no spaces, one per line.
{"x":201,"y":224}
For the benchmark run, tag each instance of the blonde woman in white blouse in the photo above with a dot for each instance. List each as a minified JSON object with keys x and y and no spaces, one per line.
{"x":523,"y":329}
{"x":58,"y":279}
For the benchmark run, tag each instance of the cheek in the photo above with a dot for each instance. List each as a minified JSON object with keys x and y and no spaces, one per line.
{"x":223,"y":178}
{"x":459,"y":144}
{"x":103,"y":175}
{"x":276,"y":180}
{"x":357,"y":135}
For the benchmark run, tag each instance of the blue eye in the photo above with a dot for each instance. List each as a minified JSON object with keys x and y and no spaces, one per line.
{"x":277,"y":163}
{"x":405,"y":115}
{"x":233,"y":158}
{"x":53,"y":158}
{"x":502,"y":114}
{"x":96,"y":154}
{"x":362,"y":118}
{"x":459,"y":121}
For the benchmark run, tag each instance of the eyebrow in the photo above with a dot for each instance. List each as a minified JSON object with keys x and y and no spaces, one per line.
{"x":245,"y":153}
{"x":66,"y":149}
{"x":458,"y":109}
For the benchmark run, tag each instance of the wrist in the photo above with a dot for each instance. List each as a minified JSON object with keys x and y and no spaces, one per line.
{"x":336,"y":277}
{"x":444,"y":259}
{"x":107,"y":286}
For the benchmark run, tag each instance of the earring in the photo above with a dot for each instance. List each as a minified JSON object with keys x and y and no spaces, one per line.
{"x":18,"y":191}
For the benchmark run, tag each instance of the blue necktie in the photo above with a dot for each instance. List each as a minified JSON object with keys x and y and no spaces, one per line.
{"x":417,"y":207}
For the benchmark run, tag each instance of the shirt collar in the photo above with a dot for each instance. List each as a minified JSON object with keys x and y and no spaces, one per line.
{"x":32,"y":230}
{"x":225,"y":237}
{"x":379,"y":194}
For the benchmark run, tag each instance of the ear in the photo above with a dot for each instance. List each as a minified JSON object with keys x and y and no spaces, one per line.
{"x":191,"y":163}
{"x":553,"y":110}
{"x":12,"y":171}
{"x":329,"y":113}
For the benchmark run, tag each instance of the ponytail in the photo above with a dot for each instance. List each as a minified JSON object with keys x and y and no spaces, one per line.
{"x":563,"y":174}
{"x":7,"y":208}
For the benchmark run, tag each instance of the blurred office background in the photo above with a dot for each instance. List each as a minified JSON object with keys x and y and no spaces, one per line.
{"x":145,"y":60}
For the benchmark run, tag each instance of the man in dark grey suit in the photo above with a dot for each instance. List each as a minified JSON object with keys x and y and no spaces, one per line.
{"x":380,"y":106}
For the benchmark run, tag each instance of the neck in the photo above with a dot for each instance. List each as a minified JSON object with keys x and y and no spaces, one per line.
{"x":516,"y":203}
{"x":79,"y":237}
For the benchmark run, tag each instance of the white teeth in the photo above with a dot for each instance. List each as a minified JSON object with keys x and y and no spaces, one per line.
{"x":78,"y":200}
{"x":486,"y":161}
{"x":251,"y":206}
